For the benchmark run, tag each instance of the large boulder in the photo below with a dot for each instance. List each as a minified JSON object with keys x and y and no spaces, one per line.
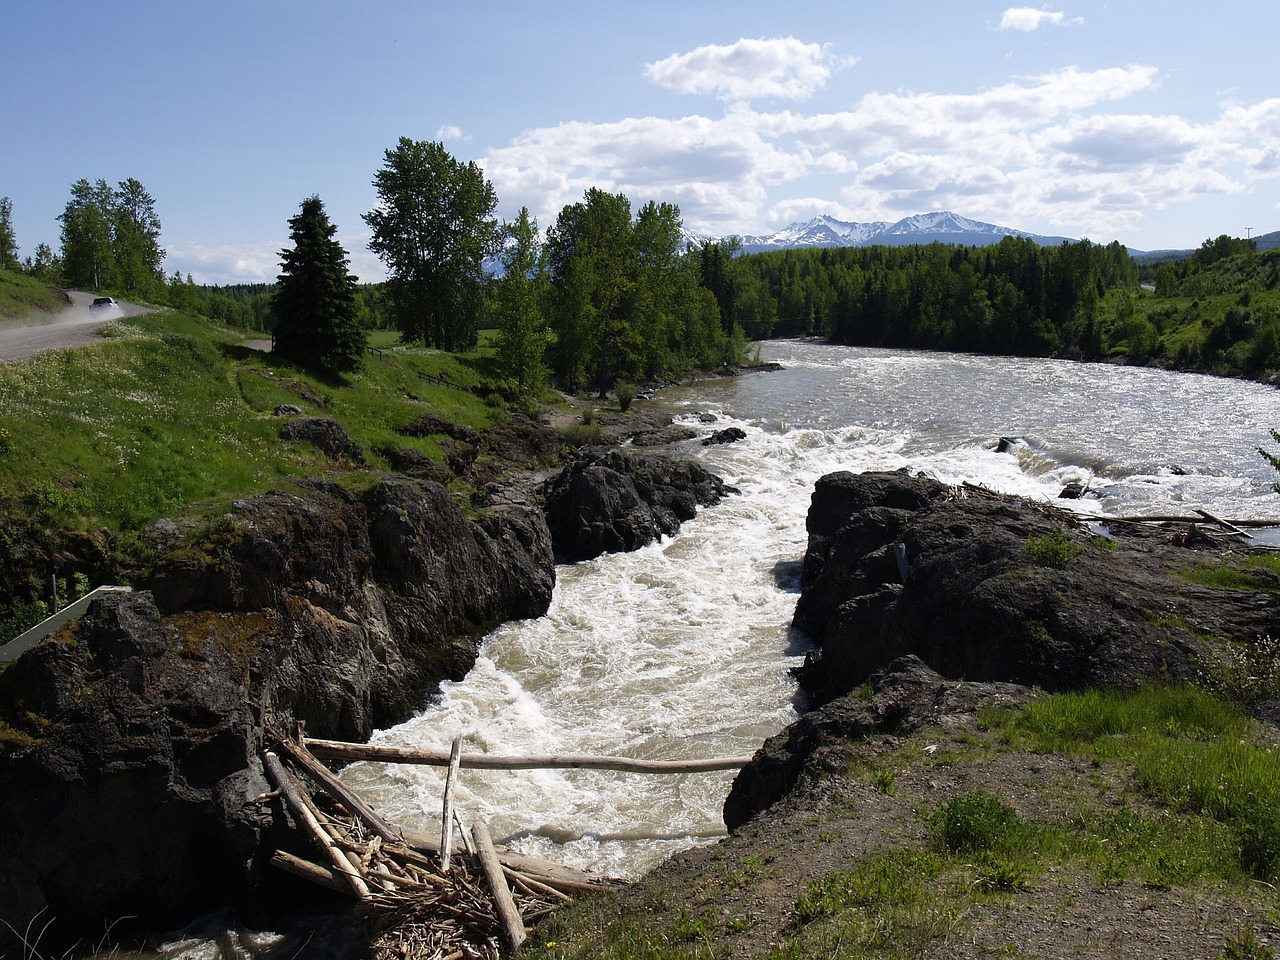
{"x":613,"y":502}
{"x":900,"y":565}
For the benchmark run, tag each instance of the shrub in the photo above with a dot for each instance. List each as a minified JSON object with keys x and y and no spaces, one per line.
{"x":584,"y":435}
{"x":626,"y":392}
{"x":1054,"y":549}
{"x":975,"y":823}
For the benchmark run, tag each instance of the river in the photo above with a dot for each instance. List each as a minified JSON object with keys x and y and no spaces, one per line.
{"x":682,"y":649}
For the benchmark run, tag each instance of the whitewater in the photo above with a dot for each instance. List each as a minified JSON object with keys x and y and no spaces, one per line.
{"x":682,"y":649}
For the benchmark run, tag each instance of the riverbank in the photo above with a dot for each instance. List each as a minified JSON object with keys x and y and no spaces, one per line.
{"x":919,"y":814}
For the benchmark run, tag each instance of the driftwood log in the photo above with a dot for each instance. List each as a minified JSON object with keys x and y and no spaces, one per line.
{"x":338,"y":750}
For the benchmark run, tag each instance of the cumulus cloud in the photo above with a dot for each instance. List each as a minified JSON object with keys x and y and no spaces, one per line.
{"x":1031,"y":18}
{"x":451,"y":131}
{"x":1049,"y":149}
{"x":259,"y":262}
{"x":749,"y":69}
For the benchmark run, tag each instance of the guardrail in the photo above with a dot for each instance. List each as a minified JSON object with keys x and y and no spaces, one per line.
{"x":73,"y":611}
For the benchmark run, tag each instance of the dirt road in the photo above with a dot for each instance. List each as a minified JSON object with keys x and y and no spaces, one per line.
{"x":73,"y":327}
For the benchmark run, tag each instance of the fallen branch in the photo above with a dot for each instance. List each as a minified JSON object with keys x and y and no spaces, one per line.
{"x":512,"y":925}
{"x":338,"y":750}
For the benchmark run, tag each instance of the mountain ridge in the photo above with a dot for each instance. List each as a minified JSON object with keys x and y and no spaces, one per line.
{"x":941,"y":226}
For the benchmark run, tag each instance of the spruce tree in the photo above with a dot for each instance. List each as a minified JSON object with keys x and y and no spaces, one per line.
{"x":315,"y":302}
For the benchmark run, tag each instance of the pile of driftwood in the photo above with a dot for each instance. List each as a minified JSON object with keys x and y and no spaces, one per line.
{"x":422,"y":899}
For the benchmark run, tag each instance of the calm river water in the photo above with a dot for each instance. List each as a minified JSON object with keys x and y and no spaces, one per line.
{"x":682,"y":649}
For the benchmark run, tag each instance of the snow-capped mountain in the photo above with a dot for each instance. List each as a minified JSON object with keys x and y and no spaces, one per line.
{"x":941,"y":227}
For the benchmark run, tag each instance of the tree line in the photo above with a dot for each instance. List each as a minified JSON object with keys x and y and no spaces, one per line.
{"x":1014,"y":297}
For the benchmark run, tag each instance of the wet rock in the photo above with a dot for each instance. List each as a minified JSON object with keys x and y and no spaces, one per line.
{"x":727,"y":435}
{"x":613,"y":502}
{"x":132,"y":787}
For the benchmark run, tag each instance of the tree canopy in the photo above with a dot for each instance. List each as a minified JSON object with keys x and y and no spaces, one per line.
{"x":111,"y":238}
{"x":315,"y":301}
{"x":8,"y":243}
{"x":433,"y":227}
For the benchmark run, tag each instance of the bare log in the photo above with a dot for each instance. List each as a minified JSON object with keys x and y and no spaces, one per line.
{"x":324,"y":876}
{"x":305,"y":815}
{"x":505,"y":904}
{"x":446,"y":818}
{"x":1227,"y":524}
{"x":338,"y":750}
{"x":556,"y":875}
{"x":300,"y":755}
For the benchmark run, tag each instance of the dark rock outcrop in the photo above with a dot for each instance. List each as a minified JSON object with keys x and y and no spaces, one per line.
{"x":136,"y":732}
{"x":979,"y":602}
{"x":326,"y":434}
{"x":903,"y":698}
{"x":613,"y":502}
{"x":727,"y":435}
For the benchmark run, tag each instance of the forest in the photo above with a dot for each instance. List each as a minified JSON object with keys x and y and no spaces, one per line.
{"x":608,"y":294}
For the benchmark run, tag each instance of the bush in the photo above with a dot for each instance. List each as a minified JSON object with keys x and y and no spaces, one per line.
{"x":1053,"y":549}
{"x":626,"y":392}
{"x":975,"y":823}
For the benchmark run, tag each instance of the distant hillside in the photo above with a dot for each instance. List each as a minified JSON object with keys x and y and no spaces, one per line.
{"x":940,"y":227}
{"x":1268,"y":241}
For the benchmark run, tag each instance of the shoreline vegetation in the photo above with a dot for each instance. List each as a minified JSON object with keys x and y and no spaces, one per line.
{"x":1012,"y":823}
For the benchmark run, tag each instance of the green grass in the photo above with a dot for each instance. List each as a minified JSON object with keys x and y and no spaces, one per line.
{"x":170,"y":415}
{"x":24,"y":300}
{"x":1257,"y":572}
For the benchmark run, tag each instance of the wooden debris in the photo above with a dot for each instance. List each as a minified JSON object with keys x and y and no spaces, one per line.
{"x":477,"y":908}
{"x":447,"y":815}
{"x":338,"y":750}
{"x":512,"y":925}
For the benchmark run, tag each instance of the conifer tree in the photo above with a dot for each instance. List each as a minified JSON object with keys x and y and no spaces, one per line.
{"x":315,"y":300}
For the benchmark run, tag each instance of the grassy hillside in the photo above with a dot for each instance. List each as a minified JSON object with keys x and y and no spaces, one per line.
{"x":172,"y":416}
{"x":24,"y":300}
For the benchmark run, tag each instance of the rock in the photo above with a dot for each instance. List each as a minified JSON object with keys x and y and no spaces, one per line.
{"x":326,"y":434}
{"x":612,"y":502}
{"x":904,"y":697}
{"x":143,"y":721}
{"x":727,"y":435}
{"x":1072,"y":491}
{"x":975,"y":605}
{"x":666,"y":436}
{"x":287,"y":410}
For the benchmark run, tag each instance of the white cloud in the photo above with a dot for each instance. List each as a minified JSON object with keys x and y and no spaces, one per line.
{"x":749,"y":69}
{"x":1046,"y":151}
{"x":451,"y":131}
{"x":1031,"y":18}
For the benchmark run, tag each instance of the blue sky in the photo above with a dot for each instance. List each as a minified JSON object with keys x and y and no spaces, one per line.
{"x":1150,"y":122}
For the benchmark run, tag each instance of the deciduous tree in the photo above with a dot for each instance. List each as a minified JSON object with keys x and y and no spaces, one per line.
{"x":8,"y":243}
{"x":518,"y":299}
{"x":433,"y":227}
{"x":87,"y":259}
{"x":315,"y":300}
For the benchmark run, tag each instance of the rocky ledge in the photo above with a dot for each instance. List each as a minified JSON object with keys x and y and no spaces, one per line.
{"x":132,"y":781}
{"x":986,"y":588}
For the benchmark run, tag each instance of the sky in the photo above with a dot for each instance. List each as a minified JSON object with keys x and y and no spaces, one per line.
{"x":1152,"y":122}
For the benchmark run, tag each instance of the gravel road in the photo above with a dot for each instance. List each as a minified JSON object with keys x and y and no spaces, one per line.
{"x":72,"y":327}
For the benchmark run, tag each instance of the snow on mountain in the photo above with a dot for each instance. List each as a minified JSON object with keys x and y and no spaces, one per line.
{"x":939,"y":227}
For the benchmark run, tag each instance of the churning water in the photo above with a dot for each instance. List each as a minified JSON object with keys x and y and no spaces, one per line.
{"x":681,"y":649}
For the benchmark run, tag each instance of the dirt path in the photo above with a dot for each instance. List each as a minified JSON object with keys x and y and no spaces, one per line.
{"x":75,"y":326}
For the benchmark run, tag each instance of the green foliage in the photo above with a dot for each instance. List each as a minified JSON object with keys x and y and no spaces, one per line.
{"x":433,"y":227}
{"x":111,"y":239}
{"x":1013,"y":297}
{"x":8,"y":243}
{"x":974,"y":823}
{"x":893,"y":878}
{"x":174,"y":413}
{"x":25,"y":299}
{"x":1247,"y":946}
{"x":518,"y":303}
{"x":315,"y":302}
{"x":1272,"y":458}
{"x":626,"y":393}
{"x":1054,"y":549}
{"x":1245,"y":672}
